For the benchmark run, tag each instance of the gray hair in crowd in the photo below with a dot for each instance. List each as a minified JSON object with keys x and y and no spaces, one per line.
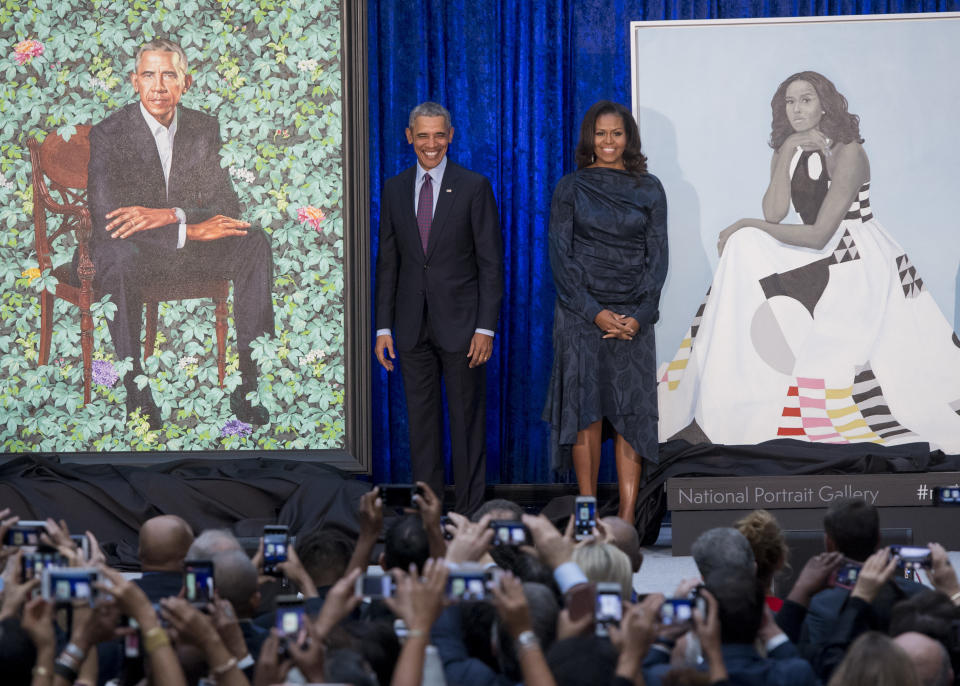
{"x":723,"y":548}
{"x":429,"y":109}
{"x":213,"y":542}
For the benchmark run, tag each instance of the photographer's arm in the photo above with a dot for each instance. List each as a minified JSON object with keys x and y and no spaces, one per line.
{"x":370,"y":514}
{"x":418,"y":602}
{"x":514,"y":613}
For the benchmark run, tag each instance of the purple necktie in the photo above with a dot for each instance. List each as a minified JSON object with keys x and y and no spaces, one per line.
{"x":425,"y":211}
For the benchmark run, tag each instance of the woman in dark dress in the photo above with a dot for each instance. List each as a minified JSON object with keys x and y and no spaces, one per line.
{"x":608,"y":252}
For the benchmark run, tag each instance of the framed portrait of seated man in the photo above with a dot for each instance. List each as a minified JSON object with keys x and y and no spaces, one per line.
{"x":184,"y":227}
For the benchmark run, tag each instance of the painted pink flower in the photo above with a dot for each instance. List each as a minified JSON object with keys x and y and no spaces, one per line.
{"x":26,"y":50}
{"x":311,"y":215}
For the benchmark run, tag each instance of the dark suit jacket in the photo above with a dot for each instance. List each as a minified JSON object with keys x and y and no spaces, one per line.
{"x":125,"y":170}
{"x":460,"y":279}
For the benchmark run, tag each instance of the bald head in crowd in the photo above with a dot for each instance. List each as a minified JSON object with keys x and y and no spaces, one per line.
{"x":929,"y":657}
{"x":164,"y":542}
{"x":625,"y":537}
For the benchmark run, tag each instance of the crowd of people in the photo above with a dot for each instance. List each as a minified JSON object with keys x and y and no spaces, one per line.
{"x":544,"y":608}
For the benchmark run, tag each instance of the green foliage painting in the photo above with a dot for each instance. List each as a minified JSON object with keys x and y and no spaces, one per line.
{"x":270,"y":71}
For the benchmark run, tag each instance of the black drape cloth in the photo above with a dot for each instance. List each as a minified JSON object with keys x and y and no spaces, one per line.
{"x":113,"y":501}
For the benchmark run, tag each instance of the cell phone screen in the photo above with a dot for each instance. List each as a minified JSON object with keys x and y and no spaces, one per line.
{"x":290,"y":618}
{"x":275,"y":544}
{"x":509,"y":533}
{"x":33,"y":564}
{"x":23,"y":534}
{"x":62,"y":585}
{"x":912,"y":557}
{"x":585,"y":518}
{"x":397,"y":495}
{"x":846,"y":576}
{"x":676,"y":611}
{"x":609,"y":608}
{"x":946,"y":495}
{"x":375,"y":586}
{"x":198,"y":581}
{"x":467,"y":586}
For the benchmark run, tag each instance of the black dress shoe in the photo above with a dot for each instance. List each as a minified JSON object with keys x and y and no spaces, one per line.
{"x":245,"y":410}
{"x":142,"y":399}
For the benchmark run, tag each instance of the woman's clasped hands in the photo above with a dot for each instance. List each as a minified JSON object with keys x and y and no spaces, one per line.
{"x":617,"y":325}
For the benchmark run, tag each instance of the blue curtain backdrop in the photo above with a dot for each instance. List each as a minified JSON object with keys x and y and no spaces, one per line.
{"x":517,"y":76}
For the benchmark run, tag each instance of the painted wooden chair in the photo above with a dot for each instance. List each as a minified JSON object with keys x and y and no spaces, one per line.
{"x":60,"y":167}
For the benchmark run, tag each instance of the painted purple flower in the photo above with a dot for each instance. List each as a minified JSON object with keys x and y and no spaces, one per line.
{"x":235,"y":427}
{"x":104,"y":373}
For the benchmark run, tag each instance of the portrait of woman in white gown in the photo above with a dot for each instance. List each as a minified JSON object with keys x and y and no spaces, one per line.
{"x":817,"y":326}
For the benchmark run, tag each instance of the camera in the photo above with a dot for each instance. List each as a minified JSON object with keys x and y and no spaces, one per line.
{"x":375,"y":586}
{"x":25,"y":533}
{"x":198,"y":581}
{"x":912,"y":557}
{"x":397,"y":495}
{"x":609,"y":607}
{"x":276,"y":542}
{"x":585,"y":516}
{"x":679,"y":611}
{"x":65,"y":584}
{"x":507,"y":532}
{"x":290,"y":612}
{"x":846,"y":576}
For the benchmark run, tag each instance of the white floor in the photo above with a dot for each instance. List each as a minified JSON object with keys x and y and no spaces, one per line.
{"x":661,"y":571}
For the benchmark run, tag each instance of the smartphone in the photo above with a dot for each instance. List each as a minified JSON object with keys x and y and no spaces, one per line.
{"x":608,"y":609}
{"x":467,"y":585}
{"x":946,"y":495}
{"x":83,"y":543}
{"x":397,"y":495}
{"x":198,"y":581}
{"x":508,"y":532}
{"x":33,"y":564}
{"x":846,"y":576}
{"x":26,"y":532}
{"x":679,"y":611}
{"x":581,"y":600}
{"x":290,"y":616}
{"x":65,"y":584}
{"x":373,"y":586}
{"x":276,"y":542}
{"x":585,"y":516}
{"x":912,"y":557}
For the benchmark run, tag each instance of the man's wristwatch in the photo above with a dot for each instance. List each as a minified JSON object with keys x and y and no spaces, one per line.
{"x":527,"y":640}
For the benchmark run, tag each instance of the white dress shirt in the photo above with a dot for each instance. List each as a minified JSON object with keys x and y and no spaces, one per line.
{"x":163,"y":136}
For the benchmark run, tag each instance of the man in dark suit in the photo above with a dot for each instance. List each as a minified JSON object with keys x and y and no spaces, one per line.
{"x":164,"y":210}
{"x":438,"y":290}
